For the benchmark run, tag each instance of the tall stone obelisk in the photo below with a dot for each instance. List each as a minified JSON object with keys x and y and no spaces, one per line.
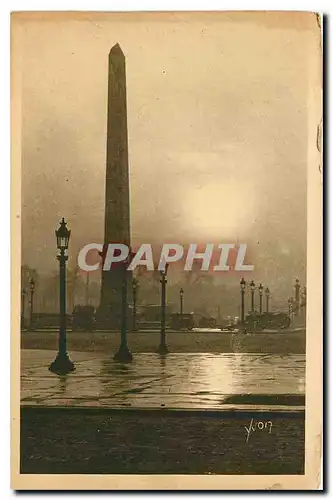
{"x":117,"y":202}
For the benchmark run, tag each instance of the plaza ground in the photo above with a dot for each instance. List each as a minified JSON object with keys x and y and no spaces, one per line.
{"x":192,"y":380}
{"x":107,"y":418}
{"x":152,"y":442}
{"x":184,"y":413}
{"x":179,"y":342}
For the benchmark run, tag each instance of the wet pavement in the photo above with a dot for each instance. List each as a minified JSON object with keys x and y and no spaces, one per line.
{"x":188,"y":381}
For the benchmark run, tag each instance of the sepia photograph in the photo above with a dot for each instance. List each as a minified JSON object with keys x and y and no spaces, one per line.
{"x":166,"y":250}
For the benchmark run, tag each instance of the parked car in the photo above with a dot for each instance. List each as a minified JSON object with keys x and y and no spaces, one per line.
{"x":207,"y":322}
{"x":83,"y":318}
{"x":259,"y":322}
{"x":182,"y":321}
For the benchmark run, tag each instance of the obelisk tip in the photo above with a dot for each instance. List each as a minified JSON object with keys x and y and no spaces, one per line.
{"x":116,"y":49}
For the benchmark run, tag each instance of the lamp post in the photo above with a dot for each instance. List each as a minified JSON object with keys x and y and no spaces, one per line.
{"x":303,"y":303}
{"x":290,"y":307}
{"x":62,"y":364}
{"x":123,"y":355}
{"x":162,"y":348}
{"x":242,"y":289}
{"x":297,"y":296}
{"x":267,"y":293}
{"x":32,"y":286}
{"x":252,"y":287}
{"x":181,"y":296}
{"x":135,"y":285}
{"x":261,"y":290}
{"x":23,"y":294}
{"x":87,"y":289}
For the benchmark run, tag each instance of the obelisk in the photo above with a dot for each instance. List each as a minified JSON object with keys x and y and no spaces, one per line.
{"x":117,"y":202}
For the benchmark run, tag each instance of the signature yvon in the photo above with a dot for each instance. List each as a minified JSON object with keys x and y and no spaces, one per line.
{"x":258,"y":425}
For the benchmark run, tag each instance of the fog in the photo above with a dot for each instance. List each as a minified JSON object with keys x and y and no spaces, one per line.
{"x":218,"y":135}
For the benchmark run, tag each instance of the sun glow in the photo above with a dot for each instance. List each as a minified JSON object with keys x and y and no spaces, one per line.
{"x":215,"y":210}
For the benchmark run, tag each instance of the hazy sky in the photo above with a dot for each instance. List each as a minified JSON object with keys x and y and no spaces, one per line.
{"x":217,"y":118}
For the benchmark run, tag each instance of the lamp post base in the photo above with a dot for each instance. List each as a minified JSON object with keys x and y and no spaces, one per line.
{"x":62,"y":365}
{"x":162,"y":349}
{"x":123,"y":355}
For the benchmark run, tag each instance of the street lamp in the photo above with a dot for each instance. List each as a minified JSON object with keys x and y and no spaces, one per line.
{"x":162,"y":348}
{"x":23,"y":294}
{"x":297,"y":296}
{"x":62,"y":364}
{"x":32,"y":286}
{"x":267,"y":293}
{"x":290,"y":307}
{"x":123,"y":355}
{"x":252,"y":287}
{"x":304,"y":296}
{"x":87,"y":289}
{"x":181,"y":296}
{"x":261,"y":290}
{"x":242,"y":289}
{"x":135,"y":286}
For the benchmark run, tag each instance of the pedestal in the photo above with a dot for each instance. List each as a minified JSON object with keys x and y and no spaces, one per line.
{"x":162,"y":349}
{"x":123,"y":355}
{"x":62,"y":365}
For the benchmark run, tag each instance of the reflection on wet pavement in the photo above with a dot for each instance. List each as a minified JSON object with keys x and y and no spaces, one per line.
{"x":203,"y":381}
